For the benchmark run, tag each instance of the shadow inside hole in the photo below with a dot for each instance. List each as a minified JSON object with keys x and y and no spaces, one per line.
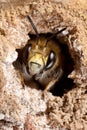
{"x":62,"y":87}
{"x":65,"y":84}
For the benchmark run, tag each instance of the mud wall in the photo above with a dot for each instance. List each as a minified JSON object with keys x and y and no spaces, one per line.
{"x":25,"y":108}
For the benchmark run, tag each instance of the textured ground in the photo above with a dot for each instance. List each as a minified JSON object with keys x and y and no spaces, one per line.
{"x":25,"y":108}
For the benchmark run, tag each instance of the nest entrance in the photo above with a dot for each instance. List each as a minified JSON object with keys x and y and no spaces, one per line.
{"x":65,"y":84}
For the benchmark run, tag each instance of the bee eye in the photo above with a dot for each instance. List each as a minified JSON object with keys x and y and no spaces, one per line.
{"x":51,"y":60}
{"x":52,"y":56}
{"x":29,"y":47}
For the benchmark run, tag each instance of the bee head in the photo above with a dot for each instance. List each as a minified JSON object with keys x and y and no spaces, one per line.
{"x":39,"y":56}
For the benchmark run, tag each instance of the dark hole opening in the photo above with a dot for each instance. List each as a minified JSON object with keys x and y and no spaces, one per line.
{"x":62,"y":87}
{"x":65,"y":84}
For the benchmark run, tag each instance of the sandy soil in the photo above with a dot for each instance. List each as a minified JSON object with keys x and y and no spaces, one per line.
{"x":25,"y":108}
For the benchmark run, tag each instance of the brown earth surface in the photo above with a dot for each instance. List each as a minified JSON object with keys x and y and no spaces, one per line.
{"x":24,"y":108}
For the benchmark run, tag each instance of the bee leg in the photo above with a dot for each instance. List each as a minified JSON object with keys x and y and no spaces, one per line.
{"x":50,"y":85}
{"x":22,"y":82}
{"x":55,"y":79}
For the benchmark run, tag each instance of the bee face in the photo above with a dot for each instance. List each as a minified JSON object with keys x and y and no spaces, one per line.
{"x":42,"y":61}
{"x":42,"y":55}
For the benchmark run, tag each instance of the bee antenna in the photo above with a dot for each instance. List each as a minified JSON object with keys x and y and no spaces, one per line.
{"x":33,"y":25}
{"x":58,"y":32}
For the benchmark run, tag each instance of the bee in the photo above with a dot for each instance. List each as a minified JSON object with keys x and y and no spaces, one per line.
{"x":42,"y":59}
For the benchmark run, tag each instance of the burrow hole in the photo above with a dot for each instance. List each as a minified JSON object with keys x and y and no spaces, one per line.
{"x":65,"y":84}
